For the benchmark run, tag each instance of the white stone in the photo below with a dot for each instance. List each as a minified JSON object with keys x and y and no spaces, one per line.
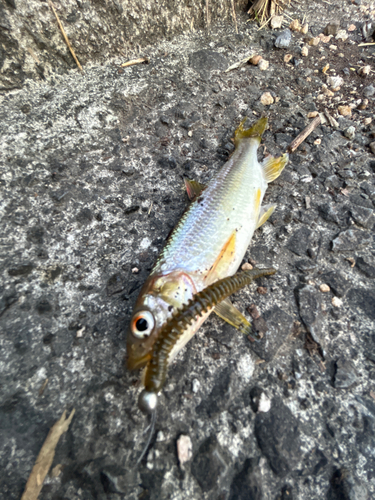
{"x":184,"y":449}
{"x":264,"y":404}
{"x":266,"y":99}
{"x":335,"y":81}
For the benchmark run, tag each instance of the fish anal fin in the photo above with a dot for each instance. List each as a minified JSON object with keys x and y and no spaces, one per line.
{"x":226,"y":311}
{"x":265,"y":213}
{"x":272,"y":167}
{"x":193,"y":188}
{"x":256,"y":131}
{"x":225,"y":256}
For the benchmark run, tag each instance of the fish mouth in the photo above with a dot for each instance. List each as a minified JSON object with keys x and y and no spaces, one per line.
{"x":136,"y":363}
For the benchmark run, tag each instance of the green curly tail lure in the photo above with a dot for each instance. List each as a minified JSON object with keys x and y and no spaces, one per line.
{"x":201,"y":303}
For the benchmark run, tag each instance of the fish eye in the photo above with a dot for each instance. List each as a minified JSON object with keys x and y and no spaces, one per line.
{"x":142,"y":324}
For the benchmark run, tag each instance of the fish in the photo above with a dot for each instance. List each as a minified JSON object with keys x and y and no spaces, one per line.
{"x":194,"y":274}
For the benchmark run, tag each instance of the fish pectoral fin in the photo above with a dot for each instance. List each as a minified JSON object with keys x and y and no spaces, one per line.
{"x":193,"y":188}
{"x":226,"y":311}
{"x":265,"y":214}
{"x":272,"y":167}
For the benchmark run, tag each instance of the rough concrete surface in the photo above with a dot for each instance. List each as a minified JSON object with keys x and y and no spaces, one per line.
{"x":32,"y":46}
{"x":91,"y":185}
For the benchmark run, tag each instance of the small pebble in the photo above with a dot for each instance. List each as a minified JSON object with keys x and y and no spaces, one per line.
{"x":253,"y":311}
{"x":324,"y":288}
{"x":369,"y":91}
{"x":333,"y":47}
{"x":304,"y":29}
{"x":318,"y":141}
{"x":335,"y":81}
{"x":367,"y":121}
{"x":195,"y":385}
{"x":263,"y":64}
{"x":312,"y":114}
{"x":324,"y":38}
{"x":314,"y":41}
{"x":332,"y":28}
{"x":363,"y":104}
{"x":336,"y":302}
{"x":325,"y":68}
{"x":364,"y":70}
{"x":264,"y":404}
{"x":344,"y":110}
{"x":262,"y":290}
{"x":247,"y":267}
{"x":276,"y":22}
{"x":256,"y":59}
{"x":266,"y":99}
{"x":135,"y":270}
{"x":160,"y":437}
{"x":288,"y":57}
{"x":342,"y":35}
{"x":304,"y":51}
{"x":352,"y":27}
{"x":284,"y":39}
{"x":350,"y":133}
{"x":184,"y":449}
{"x":372,"y":147}
{"x":295,"y":25}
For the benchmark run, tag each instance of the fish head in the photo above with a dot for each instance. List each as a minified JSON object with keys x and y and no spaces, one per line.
{"x":160,"y":296}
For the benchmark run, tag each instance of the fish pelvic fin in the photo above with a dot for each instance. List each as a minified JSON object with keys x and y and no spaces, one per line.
{"x":265,"y":214}
{"x":256,"y":131}
{"x":193,"y":188}
{"x":272,"y":167}
{"x":226,"y":311}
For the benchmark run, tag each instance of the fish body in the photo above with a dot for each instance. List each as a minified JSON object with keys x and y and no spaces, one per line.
{"x":208,"y":244}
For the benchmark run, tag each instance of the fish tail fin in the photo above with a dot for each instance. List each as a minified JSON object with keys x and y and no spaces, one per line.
{"x":256,"y":131}
{"x":272,"y":167}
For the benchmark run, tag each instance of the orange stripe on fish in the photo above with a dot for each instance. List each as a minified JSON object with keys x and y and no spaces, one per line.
{"x":225,"y":256}
{"x":257,"y":200}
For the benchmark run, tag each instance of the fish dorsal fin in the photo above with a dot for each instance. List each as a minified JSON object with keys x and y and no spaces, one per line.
{"x":226,"y":311}
{"x":256,"y":131}
{"x":265,"y":213}
{"x":272,"y":167}
{"x":221,"y":263}
{"x":193,"y":188}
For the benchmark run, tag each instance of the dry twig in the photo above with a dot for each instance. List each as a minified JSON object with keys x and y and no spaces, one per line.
{"x":44,"y":461}
{"x":135,"y":61}
{"x":234,"y":16}
{"x":65,"y":35}
{"x":302,"y":136}
{"x":208,"y":20}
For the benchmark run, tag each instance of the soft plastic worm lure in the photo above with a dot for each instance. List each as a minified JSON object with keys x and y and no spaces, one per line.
{"x":199,"y":305}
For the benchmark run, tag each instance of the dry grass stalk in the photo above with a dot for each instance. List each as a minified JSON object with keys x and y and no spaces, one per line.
{"x":65,"y":35}
{"x":45,"y":458}
{"x":263,"y":10}
{"x":135,"y":61}
{"x":234,"y":15}
{"x":208,"y":19}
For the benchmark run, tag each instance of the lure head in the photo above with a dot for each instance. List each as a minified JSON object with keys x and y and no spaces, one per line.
{"x":148,"y":401}
{"x":159,"y":297}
